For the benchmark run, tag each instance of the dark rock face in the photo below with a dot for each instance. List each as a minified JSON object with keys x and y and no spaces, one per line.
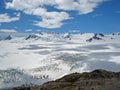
{"x":8,"y":38}
{"x":100,"y":34}
{"x":67,"y":36}
{"x":32,"y":37}
{"x":95,"y":80}
{"x":40,"y":33}
{"x":89,"y":40}
{"x":118,"y":33}
{"x":96,"y":37}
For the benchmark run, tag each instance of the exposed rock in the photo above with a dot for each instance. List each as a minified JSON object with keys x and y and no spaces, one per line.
{"x":116,"y":33}
{"x":40,"y":33}
{"x":89,"y":40}
{"x":96,"y":37}
{"x":32,"y":37}
{"x":67,"y":36}
{"x":95,"y":80}
{"x":8,"y":37}
{"x":102,"y":35}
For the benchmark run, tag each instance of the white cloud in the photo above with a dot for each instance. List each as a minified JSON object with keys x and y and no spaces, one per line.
{"x":5,"y":18}
{"x":29,"y":30}
{"x":97,"y":15}
{"x":38,"y":30}
{"x":8,"y":31}
{"x":82,"y":6}
{"x":117,"y":12}
{"x":49,"y":19}
{"x":28,"y":4}
{"x":74,"y":31}
{"x":53,"y":19}
{"x":65,"y":4}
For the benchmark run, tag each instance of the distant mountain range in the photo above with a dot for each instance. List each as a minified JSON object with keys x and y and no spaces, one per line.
{"x":52,"y":36}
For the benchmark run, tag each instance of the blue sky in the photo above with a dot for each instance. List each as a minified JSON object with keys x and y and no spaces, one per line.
{"x":60,"y":15}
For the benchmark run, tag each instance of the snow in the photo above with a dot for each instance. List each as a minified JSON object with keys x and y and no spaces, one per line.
{"x":52,"y":56}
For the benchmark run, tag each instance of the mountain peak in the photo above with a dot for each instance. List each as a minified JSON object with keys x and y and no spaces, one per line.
{"x":32,"y":37}
{"x":8,"y":37}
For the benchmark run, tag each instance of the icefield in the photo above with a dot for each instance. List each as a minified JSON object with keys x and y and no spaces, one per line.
{"x":38,"y":58}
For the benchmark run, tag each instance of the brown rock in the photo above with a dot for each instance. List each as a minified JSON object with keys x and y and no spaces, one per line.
{"x":95,"y":80}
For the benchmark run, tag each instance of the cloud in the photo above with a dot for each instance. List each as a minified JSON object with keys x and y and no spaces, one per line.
{"x":74,"y":31}
{"x":5,"y":18}
{"x":82,"y":6}
{"x":38,"y":30}
{"x":8,"y":31}
{"x":48,"y":19}
{"x":117,"y":12}
{"x":97,"y":15}
{"x":29,"y":30}
{"x":53,"y":19}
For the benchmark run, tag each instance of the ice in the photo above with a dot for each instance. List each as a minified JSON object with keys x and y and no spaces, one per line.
{"x":52,"y":56}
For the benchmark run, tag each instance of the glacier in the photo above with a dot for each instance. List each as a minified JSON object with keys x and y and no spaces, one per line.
{"x":37,"y":58}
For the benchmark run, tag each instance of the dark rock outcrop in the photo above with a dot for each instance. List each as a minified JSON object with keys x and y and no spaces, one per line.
{"x":100,"y":34}
{"x":32,"y":37}
{"x":95,"y":37}
{"x":118,"y":33}
{"x":67,"y":36}
{"x":8,"y":37}
{"x":95,"y":80}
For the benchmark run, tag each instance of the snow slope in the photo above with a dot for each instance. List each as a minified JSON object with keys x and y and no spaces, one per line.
{"x":35,"y":61}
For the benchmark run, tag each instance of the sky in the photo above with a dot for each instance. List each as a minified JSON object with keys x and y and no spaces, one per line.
{"x":96,"y":16}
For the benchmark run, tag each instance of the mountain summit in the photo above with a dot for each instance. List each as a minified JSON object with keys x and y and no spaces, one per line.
{"x":8,"y":37}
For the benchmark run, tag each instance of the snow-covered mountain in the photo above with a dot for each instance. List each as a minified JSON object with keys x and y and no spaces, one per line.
{"x":96,"y":36}
{"x":67,"y":36}
{"x":38,"y":58}
{"x":116,"y":33}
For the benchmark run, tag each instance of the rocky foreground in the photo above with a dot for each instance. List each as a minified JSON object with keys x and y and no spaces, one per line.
{"x":95,"y":80}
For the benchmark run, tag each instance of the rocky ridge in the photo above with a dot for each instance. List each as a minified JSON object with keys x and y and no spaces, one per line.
{"x":95,"y":80}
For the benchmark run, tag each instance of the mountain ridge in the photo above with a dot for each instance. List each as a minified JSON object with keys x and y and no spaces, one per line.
{"x":65,"y":36}
{"x":96,"y":80}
